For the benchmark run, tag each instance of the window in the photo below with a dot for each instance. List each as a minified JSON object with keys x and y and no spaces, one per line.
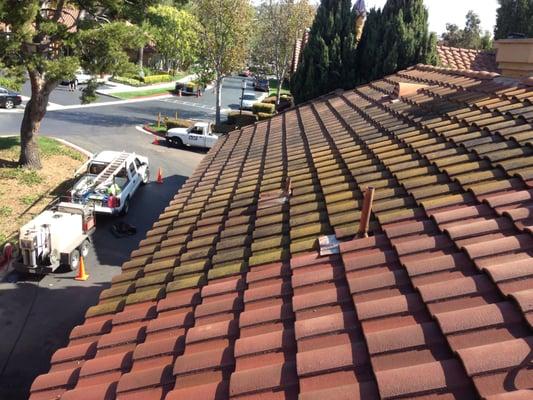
{"x":96,"y":168}
{"x":132,"y":169}
{"x":138,"y":163}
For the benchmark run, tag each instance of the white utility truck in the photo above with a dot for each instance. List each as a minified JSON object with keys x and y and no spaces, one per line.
{"x":109,"y":180}
{"x":198,"y":135}
{"x":57,"y":236}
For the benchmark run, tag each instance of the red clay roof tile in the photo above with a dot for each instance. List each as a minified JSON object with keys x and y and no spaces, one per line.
{"x":230,"y":292}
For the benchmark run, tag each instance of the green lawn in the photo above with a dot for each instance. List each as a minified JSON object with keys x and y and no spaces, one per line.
{"x":273,"y":83}
{"x":143,"y":92}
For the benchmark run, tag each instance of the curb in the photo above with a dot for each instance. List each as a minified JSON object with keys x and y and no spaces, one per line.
{"x":73,"y":146}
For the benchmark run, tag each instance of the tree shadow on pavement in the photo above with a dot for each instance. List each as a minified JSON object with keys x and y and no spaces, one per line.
{"x":36,"y":316}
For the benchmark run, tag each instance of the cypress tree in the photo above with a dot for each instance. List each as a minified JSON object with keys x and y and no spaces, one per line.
{"x":327,"y":59}
{"x":514,"y":16}
{"x":394,"y":38}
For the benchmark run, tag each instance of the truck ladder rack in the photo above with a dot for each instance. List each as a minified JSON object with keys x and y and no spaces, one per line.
{"x":111,"y":170}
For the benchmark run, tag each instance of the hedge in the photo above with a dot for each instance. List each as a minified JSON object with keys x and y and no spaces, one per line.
{"x":264,"y":108}
{"x":157,"y":78}
{"x":127,"y":81}
{"x":178,"y":123}
{"x":246,"y":118}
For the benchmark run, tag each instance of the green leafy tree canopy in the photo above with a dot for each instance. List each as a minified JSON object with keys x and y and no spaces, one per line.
{"x":175,"y":33}
{"x":225,"y":33}
{"x":514,"y":16}
{"x":393,"y":39}
{"x":50,"y":41}
{"x":470,"y":37}
{"x":327,"y":60}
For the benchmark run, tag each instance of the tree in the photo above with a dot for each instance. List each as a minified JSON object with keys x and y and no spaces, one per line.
{"x":51,"y":40}
{"x":470,"y":37}
{"x":224,"y":37}
{"x":175,"y":33}
{"x":279,"y":25}
{"x":514,"y":16}
{"x":327,"y":60}
{"x":394,"y":38}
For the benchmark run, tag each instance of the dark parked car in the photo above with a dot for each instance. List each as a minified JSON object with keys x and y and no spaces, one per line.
{"x":261,"y":85}
{"x":9,"y":99}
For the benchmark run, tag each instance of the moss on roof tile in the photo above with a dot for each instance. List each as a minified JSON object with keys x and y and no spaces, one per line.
{"x":230,"y":255}
{"x":153,"y":279}
{"x":308,"y":230}
{"x":270,"y":230}
{"x":227,"y":270}
{"x":120,"y":290}
{"x":344,"y":218}
{"x":304,"y":245}
{"x":270,"y":219}
{"x":190,"y":267}
{"x":186,"y":283}
{"x":195,"y":254}
{"x":145,"y":295}
{"x":268,"y":256}
{"x":137,"y":262}
{"x":127,"y":276}
{"x":111,"y":307}
{"x":171,"y":251}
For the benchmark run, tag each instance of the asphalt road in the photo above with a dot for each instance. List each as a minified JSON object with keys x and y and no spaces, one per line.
{"x":36,"y":315}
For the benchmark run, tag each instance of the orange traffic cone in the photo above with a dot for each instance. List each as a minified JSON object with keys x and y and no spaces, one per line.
{"x":159,"y":176}
{"x":82,"y":276}
{"x":156,"y":140}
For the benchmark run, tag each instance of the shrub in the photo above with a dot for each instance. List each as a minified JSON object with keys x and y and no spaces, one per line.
{"x":246,"y":118}
{"x":178,"y":123}
{"x":10,"y":84}
{"x":269,"y":100}
{"x":157,"y":78}
{"x":127,"y":81}
{"x":262,"y":116}
{"x":264,"y":108}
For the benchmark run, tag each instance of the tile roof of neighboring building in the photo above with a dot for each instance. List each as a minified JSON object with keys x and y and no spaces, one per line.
{"x":228,"y":297}
{"x":458,"y":58}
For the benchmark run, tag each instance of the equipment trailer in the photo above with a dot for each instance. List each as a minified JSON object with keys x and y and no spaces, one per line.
{"x":58,"y":236}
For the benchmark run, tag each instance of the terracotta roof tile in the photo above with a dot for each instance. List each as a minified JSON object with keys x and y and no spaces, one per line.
{"x":229,"y":297}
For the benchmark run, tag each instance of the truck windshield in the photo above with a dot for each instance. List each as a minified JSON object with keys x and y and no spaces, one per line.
{"x":96,"y":168}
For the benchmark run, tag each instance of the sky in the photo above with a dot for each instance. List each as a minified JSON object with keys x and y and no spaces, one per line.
{"x":453,"y":11}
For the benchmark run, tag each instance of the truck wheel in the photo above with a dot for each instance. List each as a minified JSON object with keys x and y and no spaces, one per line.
{"x":84,"y":248}
{"x":74,"y":260}
{"x":177,"y":142}
{"x":125,"y":207}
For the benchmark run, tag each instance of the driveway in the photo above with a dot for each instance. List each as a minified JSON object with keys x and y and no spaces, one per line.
{"x":37,"y":315}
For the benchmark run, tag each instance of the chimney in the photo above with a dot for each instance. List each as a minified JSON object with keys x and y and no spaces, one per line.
{"x":515,"y":57}
{"x":402,"y":89}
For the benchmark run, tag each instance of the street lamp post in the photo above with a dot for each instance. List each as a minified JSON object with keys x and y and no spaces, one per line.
{"x":243,"y":87}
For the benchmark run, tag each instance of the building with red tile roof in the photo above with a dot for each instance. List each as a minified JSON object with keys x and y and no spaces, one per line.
{"x":459,"y":58}
{"x":229,"y":296}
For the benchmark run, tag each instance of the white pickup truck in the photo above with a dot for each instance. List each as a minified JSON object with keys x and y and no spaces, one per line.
{"x":109,"y":180}
{"x":198,"y":135}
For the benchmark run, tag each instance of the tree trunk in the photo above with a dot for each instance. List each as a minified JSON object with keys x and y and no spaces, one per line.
{"x":31,"y":122}
{"x":140,"y":59}
{"x":218,"y":98}
{"x":278,"y":93}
